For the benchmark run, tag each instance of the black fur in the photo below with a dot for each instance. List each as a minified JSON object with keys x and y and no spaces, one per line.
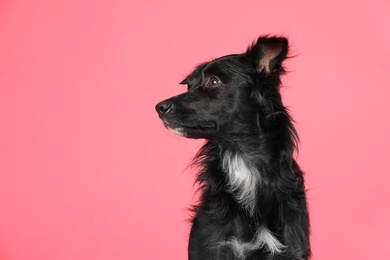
{"x":251,"y":186}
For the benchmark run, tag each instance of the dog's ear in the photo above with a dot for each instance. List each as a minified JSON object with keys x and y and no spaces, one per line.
{"x":268,"y":53}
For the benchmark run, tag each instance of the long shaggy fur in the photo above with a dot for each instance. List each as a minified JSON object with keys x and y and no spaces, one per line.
{"x":253,"y":202}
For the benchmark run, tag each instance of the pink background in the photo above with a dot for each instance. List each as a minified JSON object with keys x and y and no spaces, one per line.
{"x":87,"y":170}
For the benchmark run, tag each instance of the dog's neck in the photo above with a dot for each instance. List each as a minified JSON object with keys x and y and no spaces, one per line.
{"x":243,"y":179}
{"x":241,"y":161}
{"x":245,"y":159}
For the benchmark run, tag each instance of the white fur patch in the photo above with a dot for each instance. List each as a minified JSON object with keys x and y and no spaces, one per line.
{"x":178,"y":131}
{"x":243,"y":179}
{"x":263,"y":238}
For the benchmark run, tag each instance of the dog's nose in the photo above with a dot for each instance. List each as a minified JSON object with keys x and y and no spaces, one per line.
{"x":163,"y":107}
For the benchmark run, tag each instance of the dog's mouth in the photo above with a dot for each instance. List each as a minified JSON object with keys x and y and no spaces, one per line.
{"x":191,"y":130}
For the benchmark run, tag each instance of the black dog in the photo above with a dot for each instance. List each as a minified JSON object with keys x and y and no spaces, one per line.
{"x":253,"y":202}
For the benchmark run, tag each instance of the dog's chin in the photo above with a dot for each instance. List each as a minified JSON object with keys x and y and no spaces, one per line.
{"x":197,"y":131}
{"x":177,"y":130}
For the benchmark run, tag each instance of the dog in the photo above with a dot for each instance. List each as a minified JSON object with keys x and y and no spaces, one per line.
{"x":252,"y":196}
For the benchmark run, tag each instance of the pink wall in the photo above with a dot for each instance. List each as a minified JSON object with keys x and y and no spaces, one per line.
{"x":87,"y":170}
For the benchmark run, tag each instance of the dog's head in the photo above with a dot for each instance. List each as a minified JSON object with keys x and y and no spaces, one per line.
{"x":228,"y":93}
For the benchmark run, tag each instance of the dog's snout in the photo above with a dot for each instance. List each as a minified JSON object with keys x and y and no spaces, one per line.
{"x":164,"y":107}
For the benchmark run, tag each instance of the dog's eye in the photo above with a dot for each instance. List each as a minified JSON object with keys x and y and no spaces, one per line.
{"x":213,"y":82}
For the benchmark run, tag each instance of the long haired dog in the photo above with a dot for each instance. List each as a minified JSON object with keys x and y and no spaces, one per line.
{"x":253,"y":203}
